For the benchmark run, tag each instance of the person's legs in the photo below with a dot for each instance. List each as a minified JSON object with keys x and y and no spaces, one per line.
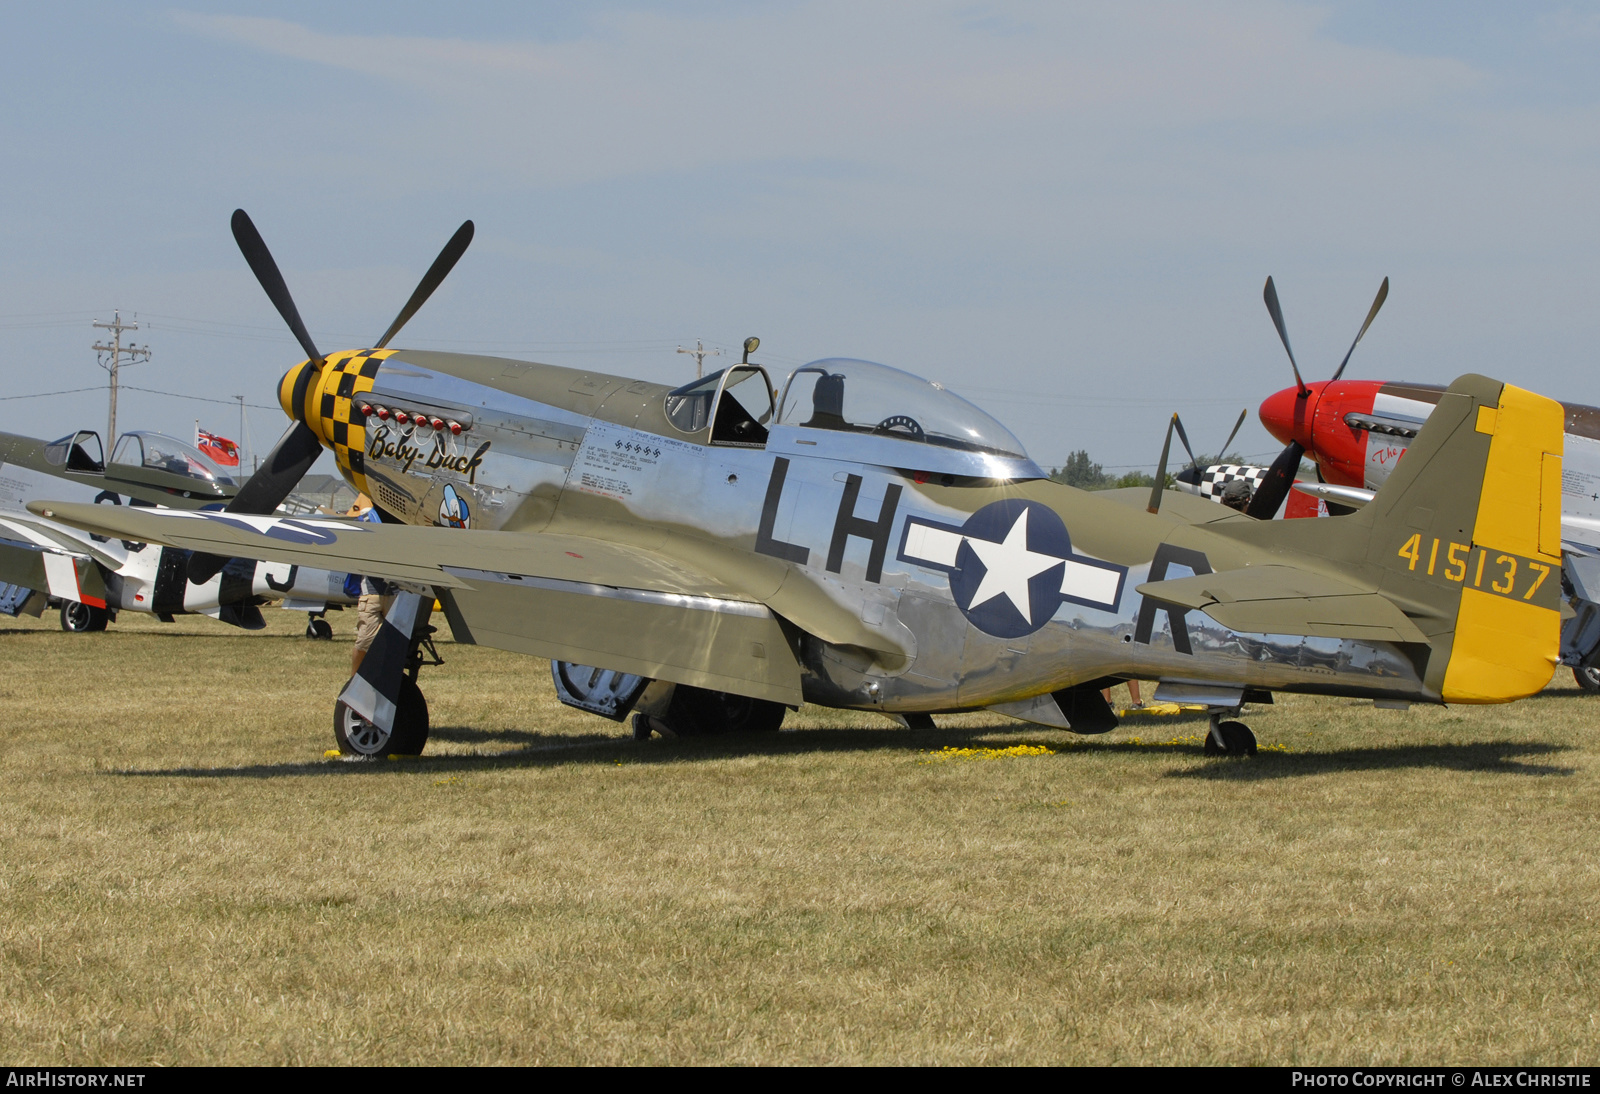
{"x":369,"y":617}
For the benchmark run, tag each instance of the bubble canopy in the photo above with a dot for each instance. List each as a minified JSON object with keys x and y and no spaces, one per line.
{"x":157,"y":451}
{"x":862,"y":399}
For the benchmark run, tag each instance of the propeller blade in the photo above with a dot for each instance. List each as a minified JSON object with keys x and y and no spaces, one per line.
{"x":1177,"y":423}
{"x":1276,"y":483}
{"x":1161,"y":469}
{"x":255,"y":252}
{"x":265,"y":490}
{"x":1270,"y":295}
{"x":1223,"y":451}
{"x":1383,"y":294}
{"x":440,"y":269}
{"x":279,"y":473}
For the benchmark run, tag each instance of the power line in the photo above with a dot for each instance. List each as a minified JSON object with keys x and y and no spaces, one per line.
{"x":47,"y":394}
{"x":201,"y":398}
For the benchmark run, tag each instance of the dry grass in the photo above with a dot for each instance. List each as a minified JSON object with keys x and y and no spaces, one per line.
{"x":184,"y":878}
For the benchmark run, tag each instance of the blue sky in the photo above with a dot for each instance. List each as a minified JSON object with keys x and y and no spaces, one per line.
{"x":1064,"y":211}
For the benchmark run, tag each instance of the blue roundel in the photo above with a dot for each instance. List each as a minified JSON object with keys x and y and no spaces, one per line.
{"x":1008,"y":571}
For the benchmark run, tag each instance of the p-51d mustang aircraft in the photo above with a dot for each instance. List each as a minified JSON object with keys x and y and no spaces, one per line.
{"x":858,"y":537}
{"x":91,"y":578}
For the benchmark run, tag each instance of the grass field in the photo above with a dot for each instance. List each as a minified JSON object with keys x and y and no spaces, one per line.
{"x":186,"y":879}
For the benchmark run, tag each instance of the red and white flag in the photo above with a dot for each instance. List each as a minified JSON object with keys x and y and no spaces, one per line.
{"x":220,"y":449}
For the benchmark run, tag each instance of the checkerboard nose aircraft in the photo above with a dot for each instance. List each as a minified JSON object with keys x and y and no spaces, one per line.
{"x":854,"y":536}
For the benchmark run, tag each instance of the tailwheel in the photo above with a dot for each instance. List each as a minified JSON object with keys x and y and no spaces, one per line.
{"x":319,"y":629}
{"x":356,"y":736}
{"x":1230,"y":739}
{"x":1588,"y":678}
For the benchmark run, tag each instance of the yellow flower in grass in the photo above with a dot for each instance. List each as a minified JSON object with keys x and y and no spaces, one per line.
{"x":951,"y":752}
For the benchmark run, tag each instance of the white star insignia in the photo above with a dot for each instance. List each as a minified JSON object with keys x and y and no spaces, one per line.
{"x":1009,"y":566}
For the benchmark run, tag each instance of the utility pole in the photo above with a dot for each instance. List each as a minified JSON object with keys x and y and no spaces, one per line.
{"x":700,"y":353}
{"x":117,"y":351}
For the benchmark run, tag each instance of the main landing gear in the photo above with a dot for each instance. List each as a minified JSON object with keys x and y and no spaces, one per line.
{"x":1229,"y":738}
{"x":696,"y":712}
{"x":408,"y":735}
{"x":358,"y":737}
{"x":83,"y":618}
{"x":672,"y":710}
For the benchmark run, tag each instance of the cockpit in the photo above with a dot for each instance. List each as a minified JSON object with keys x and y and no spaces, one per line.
{"x":862,"y":397}
{"x":159,"y":452}
{"x":851,"y":410}
{"x":79,"y":451}
{"x":743,"y":410}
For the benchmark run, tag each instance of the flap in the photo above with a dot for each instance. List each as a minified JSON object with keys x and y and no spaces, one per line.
{"x":1287,"y":600}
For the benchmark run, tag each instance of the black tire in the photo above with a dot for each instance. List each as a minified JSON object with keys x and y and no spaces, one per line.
{"x":83,"y":618}
{"x":1237,"y":740}
{"x":1588,"y":679}
{"x":319,"y":629}
{"x":696,"y":712}
{"x":356,"y":736}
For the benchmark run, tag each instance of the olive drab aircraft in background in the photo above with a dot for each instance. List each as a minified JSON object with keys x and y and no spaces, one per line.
{"x":1355,"y":432}
{"x":854,"y":536}
{"x":90,"y":578}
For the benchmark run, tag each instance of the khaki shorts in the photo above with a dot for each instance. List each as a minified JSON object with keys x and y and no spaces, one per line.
{"x":370,"y":610}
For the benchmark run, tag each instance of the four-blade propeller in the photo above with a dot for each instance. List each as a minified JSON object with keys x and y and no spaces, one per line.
{"x":299,"y":447}
{"x":1279,"y":479}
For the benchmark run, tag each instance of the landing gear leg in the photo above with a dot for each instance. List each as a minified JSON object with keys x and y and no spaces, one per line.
{"x":1229,"y":738}
{"x":357,"y":735}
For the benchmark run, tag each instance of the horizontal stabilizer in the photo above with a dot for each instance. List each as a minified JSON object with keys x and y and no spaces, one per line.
{"x":1286,"y":600}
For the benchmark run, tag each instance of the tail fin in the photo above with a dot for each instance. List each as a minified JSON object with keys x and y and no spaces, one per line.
{"x":1465,"y":538}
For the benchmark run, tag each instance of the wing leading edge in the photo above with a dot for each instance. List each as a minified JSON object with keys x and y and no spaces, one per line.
{"x":565,"y":597}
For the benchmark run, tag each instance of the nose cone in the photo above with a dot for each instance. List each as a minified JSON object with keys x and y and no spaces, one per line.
{"x":1287,"y":414}
{"x":292,"y":390}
